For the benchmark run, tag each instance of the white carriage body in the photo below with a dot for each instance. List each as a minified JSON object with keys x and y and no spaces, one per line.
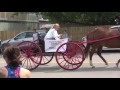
{"x":52,"y":45}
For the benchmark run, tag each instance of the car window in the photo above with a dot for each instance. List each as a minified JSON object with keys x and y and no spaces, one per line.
{"x":29,"y":34}
{"x":21,"y":36}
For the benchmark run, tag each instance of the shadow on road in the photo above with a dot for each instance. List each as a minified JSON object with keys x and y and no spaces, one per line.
{"x":57,"y":69}
{"x":47,"y":69}
{"x":98,"y":69}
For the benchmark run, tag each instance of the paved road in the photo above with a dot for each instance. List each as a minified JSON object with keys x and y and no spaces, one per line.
{"x":52,"y":70}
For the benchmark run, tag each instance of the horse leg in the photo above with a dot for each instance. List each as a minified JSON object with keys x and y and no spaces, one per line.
{"x":99,"y":54}
{"x":93,"y":50}
{"x":118,"y":63}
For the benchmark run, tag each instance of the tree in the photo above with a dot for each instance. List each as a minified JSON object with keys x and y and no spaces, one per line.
{"x":84,"y":18}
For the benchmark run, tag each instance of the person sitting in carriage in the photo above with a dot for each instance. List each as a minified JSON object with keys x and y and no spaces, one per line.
{"x":52,"y":34}
{"x":53,"y":40}
{"x":35,"y":35}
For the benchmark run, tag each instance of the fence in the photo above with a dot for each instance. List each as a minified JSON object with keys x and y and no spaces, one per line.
{"x":75,"y":32}
{"x":78,"y":32}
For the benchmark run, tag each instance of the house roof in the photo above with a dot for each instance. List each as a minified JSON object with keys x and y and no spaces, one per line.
{"x":47,"y":26}
{"x":43,"y":20}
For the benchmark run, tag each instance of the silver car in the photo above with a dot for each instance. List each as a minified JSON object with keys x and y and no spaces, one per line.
{"x":23,"y":36}
{"x":113,"y":49}
{"x":117,"y":26}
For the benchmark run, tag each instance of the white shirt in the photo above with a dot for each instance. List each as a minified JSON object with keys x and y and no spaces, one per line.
{"x":35,"y":36}
{"x":52,"y":34}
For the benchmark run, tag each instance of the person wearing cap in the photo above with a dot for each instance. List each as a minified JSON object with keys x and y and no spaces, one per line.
{"x":35,"y":35}
{"x":52,"y":34}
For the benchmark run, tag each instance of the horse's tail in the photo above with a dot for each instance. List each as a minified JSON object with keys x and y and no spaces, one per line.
{"x":87,"y":49}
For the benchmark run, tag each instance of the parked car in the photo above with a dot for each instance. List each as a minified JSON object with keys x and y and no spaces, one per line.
{"x":117,"y":26}
{"x":112,"y":49}
{"x":23,"y":36}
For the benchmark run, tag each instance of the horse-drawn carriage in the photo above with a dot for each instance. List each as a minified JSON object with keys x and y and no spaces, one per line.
{"x":68,"y":55}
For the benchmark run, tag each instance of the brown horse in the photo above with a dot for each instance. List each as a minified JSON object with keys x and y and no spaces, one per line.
{"x":96,"y":47}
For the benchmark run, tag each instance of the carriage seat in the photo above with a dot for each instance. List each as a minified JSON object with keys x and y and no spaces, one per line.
{"x":41,"y":42}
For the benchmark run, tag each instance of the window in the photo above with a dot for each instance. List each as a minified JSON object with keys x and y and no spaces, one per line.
{"x":21,"y":36}
{"x":29,"y":34}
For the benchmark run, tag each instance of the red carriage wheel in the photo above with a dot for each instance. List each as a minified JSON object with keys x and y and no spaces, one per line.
{"x":47,"y":57}
{"x":31,"y":55}
{"x":80,"y":43}
{"x":69,"y":56}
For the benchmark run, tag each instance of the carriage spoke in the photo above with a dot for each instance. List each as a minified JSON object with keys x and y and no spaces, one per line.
{"x":73,"y":61}
{"x":24,"y":51}
{"x":47,"y":58}
{"x":72,"y":65}
{"x":63,"y":48}
{"x":60,"y":55}
{"x":68,"y":65}
{"x":79,"y":59}
{"x":33,"y":60}
{"x":34,"y":63}
{"x":61,"y":62}
{"x":24,"y":63}
{"x":22,"y":59}
{"x":27,"y":63}
{"x":43,"y":60}
{"x":76,"y":59}
{"x":64,"y":64}
{"x":30,"y":63}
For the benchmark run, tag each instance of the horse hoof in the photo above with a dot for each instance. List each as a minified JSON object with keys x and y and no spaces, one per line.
{"x":93,"y":66}
{"x":106,"y":64}
{"x":117,"y":64}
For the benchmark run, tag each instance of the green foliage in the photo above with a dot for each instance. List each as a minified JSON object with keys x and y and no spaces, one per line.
{"x":84,"y":18}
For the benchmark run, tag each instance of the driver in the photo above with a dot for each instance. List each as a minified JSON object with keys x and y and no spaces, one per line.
{"x":52,"y":34}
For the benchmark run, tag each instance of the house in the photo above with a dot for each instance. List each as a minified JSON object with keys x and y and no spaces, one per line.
{"x":43,"y":22}
{"x":8,"y":21}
